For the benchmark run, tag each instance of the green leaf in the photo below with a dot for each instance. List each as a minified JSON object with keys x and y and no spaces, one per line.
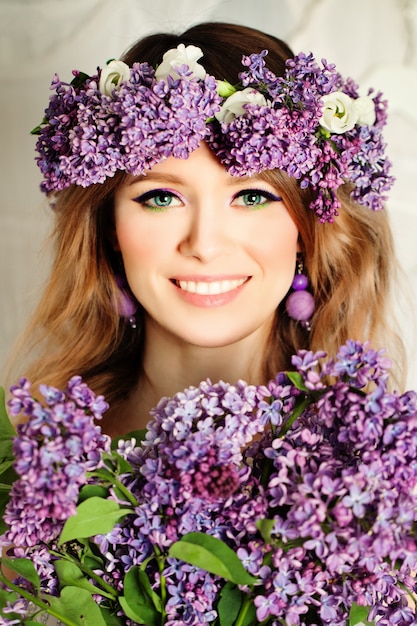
{"x":79,"y":79}
{"x":5,"y":466}
{"x":7,"y":596}
{"x":139,"y":613}
{"x":7,"y":474}
{"x":94,"y":516}
{"x":37,"y":130}
{"x":110,"y":618}
{"x":4,"y":498}
{"x":137,"y":579}
{"x":225,"y":89}
{"x":122,"y":465}
{"x":213,"y":555}
{"x":359,"y":616}
{"x":250,"y":617}
{"x":229,"y":604}
{"x":140,"y":602}
{"x":90,"y":491}
{"x":297,"y":380}
{"x":7,"y":430}
{"x":23,"y":567}
{"x":104,"y":474}
{"x":139,"y":435}
{"x":265,"y":527}
{"x":77,"y":605}
{"x":71,"y":576}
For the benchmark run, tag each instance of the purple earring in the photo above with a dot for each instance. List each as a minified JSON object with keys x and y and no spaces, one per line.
{"x":300,"y":303}
{"x":126,"y":306}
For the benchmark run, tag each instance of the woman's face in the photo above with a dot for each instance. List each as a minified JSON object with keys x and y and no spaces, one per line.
{"x":209,"y":256}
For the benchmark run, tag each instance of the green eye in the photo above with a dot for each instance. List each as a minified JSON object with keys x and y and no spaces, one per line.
{"x":158,"y":200}
{"x":254,"y":198}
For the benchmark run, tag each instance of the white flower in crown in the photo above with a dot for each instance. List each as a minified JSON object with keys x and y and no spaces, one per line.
{"x":177,"y":57}
{"x":234,"y":105}
{"x":112,"y":76}
{"x":341,"y":112}
{"x":365,"y":108}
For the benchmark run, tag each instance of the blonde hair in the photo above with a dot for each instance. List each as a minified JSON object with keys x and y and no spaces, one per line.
{"x":352,"y":267}
{"x":76,"y":328}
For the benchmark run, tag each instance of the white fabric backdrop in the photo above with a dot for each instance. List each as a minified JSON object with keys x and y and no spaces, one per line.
{"x":374,"y":41}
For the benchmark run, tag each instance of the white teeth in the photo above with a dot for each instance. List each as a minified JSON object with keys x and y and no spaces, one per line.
{"x":210,"y":288}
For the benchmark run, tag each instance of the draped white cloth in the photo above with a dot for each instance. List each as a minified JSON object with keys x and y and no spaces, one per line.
{"x":374,"y":41}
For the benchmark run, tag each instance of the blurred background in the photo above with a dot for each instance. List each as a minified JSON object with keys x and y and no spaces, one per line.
{"x":373,"y":41}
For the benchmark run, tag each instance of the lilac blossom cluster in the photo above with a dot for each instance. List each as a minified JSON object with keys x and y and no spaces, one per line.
{"x":342,"y":495}
{"x":312,"y":484}
{"x":54,"y":449}
{"x":286,"y":134}
{"x":188,"y":475}
{"x":86,"y":135}
{"x":338,"y":492}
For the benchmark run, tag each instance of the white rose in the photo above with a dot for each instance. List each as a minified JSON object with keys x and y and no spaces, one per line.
{"x":339,"y":112}
{"x":365,"y":109}
{"x":177,"y":57}
{"x":234,"y":105}
{"x":113,"y":75}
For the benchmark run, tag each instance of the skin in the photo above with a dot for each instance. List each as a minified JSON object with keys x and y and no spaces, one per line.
{"x":209,"y":256}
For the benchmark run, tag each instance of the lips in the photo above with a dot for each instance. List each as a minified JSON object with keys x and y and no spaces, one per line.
{"x":209,"y":291}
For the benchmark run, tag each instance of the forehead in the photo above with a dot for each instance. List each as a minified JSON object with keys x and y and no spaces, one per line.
{"x":200,"y":165}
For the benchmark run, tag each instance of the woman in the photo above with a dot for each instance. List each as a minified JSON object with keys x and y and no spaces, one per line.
{"x":180,"y":226}
{"x":217,"y":209}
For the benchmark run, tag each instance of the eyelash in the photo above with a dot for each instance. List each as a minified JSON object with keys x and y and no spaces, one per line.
{"x":144,"y":198}
{"x":153,"y":194}
{"x":269,"y":197}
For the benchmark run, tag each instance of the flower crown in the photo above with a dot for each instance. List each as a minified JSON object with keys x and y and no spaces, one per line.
{"x":309,"y":123}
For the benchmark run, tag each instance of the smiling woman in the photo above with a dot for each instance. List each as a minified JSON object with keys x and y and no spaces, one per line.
{"x":209,"y":258}
{"x":215,"y":214}
{"x":186,"y":200}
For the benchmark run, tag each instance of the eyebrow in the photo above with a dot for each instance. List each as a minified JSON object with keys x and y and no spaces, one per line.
{"x":171,"y":178}
{"x":154,"y":177}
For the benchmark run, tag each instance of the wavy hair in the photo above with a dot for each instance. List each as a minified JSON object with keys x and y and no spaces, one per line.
{"x":76,"y":330}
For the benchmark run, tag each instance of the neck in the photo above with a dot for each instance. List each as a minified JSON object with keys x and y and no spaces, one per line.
{"x":170,"y":366}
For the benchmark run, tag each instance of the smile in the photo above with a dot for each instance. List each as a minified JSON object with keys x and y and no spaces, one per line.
{"x":210,"y":288}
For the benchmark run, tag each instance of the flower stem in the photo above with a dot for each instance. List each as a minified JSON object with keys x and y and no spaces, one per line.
{"x":162,"y":581}
{"x":243,"y":611}
{"x":128,"y":495}
{"x":106,"y":590}
{"x":298,"y":409}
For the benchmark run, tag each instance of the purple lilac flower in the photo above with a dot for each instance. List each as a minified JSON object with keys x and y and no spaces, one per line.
{"x":288,"y":136}
{"x":338,"y":504}
{"x":54,"y":448}
{"x":87,"y":136}
{"x":338,"y":491}
{"x":14,"y":612}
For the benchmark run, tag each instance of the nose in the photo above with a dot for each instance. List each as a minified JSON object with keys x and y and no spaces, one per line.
{"x":206,"y":234}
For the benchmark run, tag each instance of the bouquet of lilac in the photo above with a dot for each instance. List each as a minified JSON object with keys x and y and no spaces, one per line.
{"x":292,"y":503}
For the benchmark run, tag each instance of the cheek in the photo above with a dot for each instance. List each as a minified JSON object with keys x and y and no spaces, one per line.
{"x":136,"y":245}
{"x":277,"y":249}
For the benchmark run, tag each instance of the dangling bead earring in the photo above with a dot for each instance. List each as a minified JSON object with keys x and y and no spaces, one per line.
{"x":126,"y":306}
{"x":300,"y":303}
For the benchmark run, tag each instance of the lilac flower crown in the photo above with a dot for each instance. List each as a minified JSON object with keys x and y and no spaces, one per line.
{"x":309,"y":123}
